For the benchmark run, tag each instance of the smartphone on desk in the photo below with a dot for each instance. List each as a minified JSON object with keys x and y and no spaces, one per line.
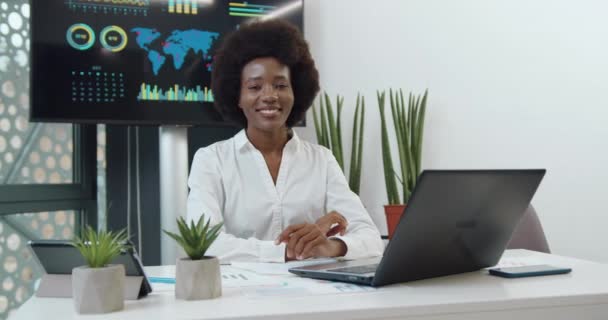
{"x":528,"y":271}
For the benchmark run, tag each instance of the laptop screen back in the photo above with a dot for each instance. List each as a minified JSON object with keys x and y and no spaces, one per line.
{"x":457,"y":221}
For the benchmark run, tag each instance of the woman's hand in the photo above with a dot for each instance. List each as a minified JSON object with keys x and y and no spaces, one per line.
{"x":308,"y":240}
{"x":332,"y":224}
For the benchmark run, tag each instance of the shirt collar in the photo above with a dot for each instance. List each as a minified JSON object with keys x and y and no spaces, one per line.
{"x":294,"y":142}
{"x":242,"y":141}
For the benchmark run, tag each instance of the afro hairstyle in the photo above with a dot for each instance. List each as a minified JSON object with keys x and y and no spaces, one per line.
{"x":271,"y":38}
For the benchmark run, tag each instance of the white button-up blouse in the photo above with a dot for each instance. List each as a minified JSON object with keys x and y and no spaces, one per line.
{"x":230,"y":182}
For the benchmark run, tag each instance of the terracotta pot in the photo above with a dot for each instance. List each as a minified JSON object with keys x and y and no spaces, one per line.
{"x":98,"y":290}
{"x":198,"y":279}
{"x":393,"y":214}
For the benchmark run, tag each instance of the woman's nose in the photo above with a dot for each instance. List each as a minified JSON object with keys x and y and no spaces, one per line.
{"x":270,"y":95}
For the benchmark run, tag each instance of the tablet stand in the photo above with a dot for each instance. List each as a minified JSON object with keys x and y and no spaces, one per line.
{"x":60,"y":286}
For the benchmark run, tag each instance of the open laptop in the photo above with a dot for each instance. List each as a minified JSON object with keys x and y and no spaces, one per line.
{"x":456,"y":221}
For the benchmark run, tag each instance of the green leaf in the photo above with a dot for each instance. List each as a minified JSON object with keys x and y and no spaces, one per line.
{"x":100,"y":248}
{"x":399,"y":123}
{"x":339,"y":105}
{"x":333,"y":132}
{"x":317,"y":125}
{"x":409,"y":128}
{"x":184,"y":230}
{"x":324,"y":130}
{"x":420,"y":131}
{"x":196,"y":238}
{"x":354,"y":149}
{"x":328,"y":128}
{"x":391,"y":187}
{"x":360,"y":147}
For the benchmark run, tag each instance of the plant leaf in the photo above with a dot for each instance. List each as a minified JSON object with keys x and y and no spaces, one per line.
{"x":197,"y":237}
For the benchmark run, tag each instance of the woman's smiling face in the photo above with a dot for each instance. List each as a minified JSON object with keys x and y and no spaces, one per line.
{"x":266,"y":95}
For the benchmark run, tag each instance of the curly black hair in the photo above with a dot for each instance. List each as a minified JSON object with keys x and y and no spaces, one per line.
{"x":271,"y":38}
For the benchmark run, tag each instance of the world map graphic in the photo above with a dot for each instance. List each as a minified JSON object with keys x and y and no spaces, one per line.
{"x":177,"y":45}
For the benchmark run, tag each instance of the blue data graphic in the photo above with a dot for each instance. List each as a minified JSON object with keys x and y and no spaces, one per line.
{"x":176,"y":45}
{"x":80,"y":36}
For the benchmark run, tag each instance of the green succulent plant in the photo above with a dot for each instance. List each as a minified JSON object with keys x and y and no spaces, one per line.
{"x":195,"y":239}
{"x":329,"y":134}
{"x":409,"y":127}
{"x":100,"y":248}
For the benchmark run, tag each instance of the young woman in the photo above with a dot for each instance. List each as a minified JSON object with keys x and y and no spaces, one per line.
{"x":280,"y":198}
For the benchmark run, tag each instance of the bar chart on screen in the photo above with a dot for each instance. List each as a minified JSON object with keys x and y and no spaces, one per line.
{"x":183,"y":7}
{"x":247,"y":9}
{"x":175,"y":93}
{"x":113,"y":7}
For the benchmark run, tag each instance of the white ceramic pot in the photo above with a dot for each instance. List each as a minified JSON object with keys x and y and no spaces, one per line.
{"x":198,"y":279}
{"x":98,"y":290}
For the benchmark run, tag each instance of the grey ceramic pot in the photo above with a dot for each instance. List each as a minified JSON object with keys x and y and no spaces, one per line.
{"x":198,"y":279}
{"x":98,"y":290}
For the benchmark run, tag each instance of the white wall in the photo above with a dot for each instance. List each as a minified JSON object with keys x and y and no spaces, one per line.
{"x":512,"y":84}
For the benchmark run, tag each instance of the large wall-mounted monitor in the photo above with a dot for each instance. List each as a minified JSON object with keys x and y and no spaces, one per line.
{"x":134,"y":61}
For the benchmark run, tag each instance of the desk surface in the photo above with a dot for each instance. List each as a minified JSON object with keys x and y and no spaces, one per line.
{"x":474,"y":295}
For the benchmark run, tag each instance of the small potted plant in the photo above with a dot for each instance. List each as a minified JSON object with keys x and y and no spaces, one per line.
{"x":197,"y":277}
{"x":98,"y":287}
{"x":408,"y":123}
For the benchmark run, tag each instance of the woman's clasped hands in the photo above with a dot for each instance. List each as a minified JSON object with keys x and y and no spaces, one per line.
{"x":307,"y":240}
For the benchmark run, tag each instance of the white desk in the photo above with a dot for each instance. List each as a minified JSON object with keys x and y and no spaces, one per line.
{"x":583,"y":294}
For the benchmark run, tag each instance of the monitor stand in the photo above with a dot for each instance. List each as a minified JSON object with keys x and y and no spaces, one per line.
{"x":173,"y":185}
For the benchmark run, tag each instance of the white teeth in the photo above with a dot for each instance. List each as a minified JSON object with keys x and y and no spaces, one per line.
{"x":269,"y":111}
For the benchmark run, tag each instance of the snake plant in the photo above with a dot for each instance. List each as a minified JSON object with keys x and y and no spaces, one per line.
{"x":329,"y":134}
{"x":409,"y":127}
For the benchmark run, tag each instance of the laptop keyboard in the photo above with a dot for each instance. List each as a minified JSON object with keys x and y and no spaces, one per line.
{"x":358,"y":269}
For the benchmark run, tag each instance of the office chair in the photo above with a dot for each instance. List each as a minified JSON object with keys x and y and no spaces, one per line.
{"x":529,"y":233}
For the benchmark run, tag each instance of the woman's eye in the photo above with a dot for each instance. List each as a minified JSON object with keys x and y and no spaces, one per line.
{"x":254,"y":87}
{"x":281,"y":86}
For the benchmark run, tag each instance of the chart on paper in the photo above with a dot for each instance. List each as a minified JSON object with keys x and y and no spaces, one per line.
{"x":295,"y":287}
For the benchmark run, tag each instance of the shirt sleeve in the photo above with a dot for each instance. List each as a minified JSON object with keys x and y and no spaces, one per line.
{"x":207,"y":197}
{"x":362,"y":237}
